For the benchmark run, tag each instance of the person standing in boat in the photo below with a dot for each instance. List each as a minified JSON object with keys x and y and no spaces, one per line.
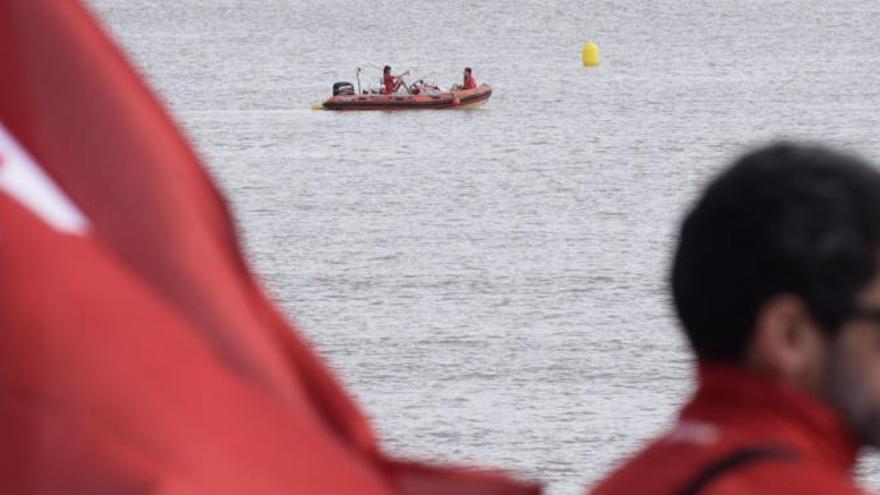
{"x":392,"y":83}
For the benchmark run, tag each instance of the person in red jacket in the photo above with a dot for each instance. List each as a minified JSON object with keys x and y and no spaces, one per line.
{"x":776,"y":283}
{"x":391,"y":83}
{"x":468,"y":82}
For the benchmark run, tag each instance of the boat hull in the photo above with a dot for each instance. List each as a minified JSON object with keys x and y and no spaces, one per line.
{"x":448,"y":100}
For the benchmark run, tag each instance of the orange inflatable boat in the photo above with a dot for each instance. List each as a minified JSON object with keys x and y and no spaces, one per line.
{"x":423,"y":100}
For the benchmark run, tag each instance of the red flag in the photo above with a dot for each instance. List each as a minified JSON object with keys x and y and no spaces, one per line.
{"x":137,"y":354}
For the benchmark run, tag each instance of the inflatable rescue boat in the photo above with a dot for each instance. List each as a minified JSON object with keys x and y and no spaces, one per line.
{"x":421,"y":97}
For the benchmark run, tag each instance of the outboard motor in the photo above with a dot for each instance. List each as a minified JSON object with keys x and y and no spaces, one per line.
{"x":343,"y":88}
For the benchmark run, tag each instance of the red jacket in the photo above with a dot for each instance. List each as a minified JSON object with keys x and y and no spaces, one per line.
{"x":469,"y":82}
{"x":390,"y":83}
{"x":741,"y":434}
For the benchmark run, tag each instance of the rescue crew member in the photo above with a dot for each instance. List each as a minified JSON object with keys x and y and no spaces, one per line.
{"x":776,"y":284}
{"x":392,"y":83}
{"x":468,"y":82}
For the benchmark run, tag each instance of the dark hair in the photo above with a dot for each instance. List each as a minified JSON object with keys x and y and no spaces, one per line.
{"x":386,"y":69}
{"x":786,"y":218}
{"x":467,"y":69}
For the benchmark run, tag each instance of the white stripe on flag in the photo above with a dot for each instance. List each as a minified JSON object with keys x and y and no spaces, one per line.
{"x":24,"y":180}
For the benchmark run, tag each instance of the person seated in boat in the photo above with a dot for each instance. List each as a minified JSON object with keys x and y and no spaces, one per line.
{"x":391,"y":83}
{"x":467,"y":83}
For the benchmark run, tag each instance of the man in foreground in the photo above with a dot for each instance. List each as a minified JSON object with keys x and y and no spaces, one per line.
{"x":775,"y":281}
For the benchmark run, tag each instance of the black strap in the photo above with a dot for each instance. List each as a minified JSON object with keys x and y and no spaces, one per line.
{"x":735,"y":460}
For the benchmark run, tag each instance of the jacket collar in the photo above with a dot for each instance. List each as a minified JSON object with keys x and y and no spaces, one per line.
{"x":732,"y":395}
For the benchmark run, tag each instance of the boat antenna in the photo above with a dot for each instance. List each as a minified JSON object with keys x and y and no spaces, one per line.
{"x":359,"y":79}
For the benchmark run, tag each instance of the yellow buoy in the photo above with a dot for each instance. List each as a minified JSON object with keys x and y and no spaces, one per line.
{"x":590,"y":54}
{"x":317,"y":106}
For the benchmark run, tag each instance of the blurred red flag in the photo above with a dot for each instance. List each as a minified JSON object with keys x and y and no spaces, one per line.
{"x":137,"y":353}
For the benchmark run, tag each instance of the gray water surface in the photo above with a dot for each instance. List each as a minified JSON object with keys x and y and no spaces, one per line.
{"x":491,"y":284}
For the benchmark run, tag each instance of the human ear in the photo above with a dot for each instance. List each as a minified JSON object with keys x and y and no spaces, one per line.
{"x":786,"y":343}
